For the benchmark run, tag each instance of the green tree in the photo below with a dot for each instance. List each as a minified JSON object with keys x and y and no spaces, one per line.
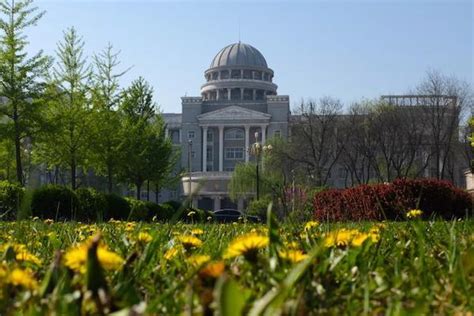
{"x":145,"y":150}
{"x":107,"y":119}
{"x":67,"y":140}
{"x":21,"y":76}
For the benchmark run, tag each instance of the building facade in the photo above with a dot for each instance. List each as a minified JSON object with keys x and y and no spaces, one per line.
{"x":238,"y":106}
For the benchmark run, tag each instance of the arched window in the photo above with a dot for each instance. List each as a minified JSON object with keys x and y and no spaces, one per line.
{"x":234,"y":134}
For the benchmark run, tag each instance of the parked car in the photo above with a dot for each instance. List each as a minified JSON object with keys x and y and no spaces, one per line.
{"x":230,"y":215}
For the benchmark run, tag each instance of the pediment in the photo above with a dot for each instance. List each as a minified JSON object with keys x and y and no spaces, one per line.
{"x":234,"y":113}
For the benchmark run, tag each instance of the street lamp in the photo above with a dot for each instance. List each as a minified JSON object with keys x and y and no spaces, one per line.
{"x":257,"y":150}
{"x":190,"y":148}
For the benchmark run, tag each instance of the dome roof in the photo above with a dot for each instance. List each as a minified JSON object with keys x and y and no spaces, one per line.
{"x":239,"y":54}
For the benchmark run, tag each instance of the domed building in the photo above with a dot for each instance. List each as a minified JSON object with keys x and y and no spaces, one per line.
{"x":238,"y":102}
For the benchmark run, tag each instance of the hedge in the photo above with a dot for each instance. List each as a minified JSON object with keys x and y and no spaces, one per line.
{"x":436,"y":198}
{"x":92,"y":205}
{"x":10,"y":199}
{"x":54,"y":202}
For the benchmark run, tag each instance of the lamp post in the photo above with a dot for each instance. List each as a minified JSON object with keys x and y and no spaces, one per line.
{"x":257,"y":150}
{"x":190,"y":148}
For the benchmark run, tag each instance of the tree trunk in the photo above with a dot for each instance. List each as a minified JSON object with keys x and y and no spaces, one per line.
{"x":139,"y":190}
{"x":19,"y":168}
{"x":73,"y":174}
{"x":109,"y":179}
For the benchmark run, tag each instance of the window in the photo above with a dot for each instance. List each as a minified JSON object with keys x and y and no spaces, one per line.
{"x":234,"y":134}
{"x":209,"y":155}
{"x":210,"y":136}
{"x":193,"y":154}
{"x":277,"y":134}
{"x":229,"y":169}
{"x":234,"y":153}
{"x":191,"y":134}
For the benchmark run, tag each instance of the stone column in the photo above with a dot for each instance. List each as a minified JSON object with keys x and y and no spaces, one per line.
{"x":166,"y":132}
{"x":241,"y":74}
{"x":254,"y":97}
{"x":221,"y":148}
{"x":217,"y":203}
{"x":247,"y":145}
{"x":204,"y":148}
{"x":218,"y":95}
{"x":179,"y":134}
{"x":241,"y":93}
{"x":264,"y":127}
{"x":229,"y":90}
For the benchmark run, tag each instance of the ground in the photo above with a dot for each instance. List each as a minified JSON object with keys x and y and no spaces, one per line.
{"x":412,"y":267}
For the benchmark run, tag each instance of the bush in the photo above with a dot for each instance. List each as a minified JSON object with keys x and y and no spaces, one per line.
{"x":92,"y":205}
{"x":392,"y":201}
{"x":138,"y":210}
{"x":10,"y":198}
{"x":54,"y":202}
{"x":163,"y":212}
{"x":117,"y":207}
{"x":259,"y":207}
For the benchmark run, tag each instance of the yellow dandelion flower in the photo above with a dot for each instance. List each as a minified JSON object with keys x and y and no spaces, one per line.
{"x":198,"y":260}
{"x":130,"y":226}
{"x":197,"y":231}
{"x":415,"y":213}
{"x":144,"y":237}
{"x":24,"y":278}
{"x":212,"y":270}
{"x":189,"y":241}
{"x":310,"y":225}
{"x":340,"y":238}
{"x":292,"y":245}
{"x":25,"y":256}
{"x":48,"y":221}
{"x":76,"y":257}
{"x":359,"y":239}
{"x":172,"y":252}
{"x":246,"y":245}
{"x":292,"y":255}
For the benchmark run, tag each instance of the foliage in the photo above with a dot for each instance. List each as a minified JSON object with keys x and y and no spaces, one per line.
{"x":11,"y":195}
{"x":66,"y":141}
{"x":391,"y":201}
{"x":411,"y":267}
{"x":117,"y":207}
{"x":54,"y":202}
{"x":20,"y":77}
{"x":91,"y":205}
{"x":259,"y":207}
{"x":138,"y":210}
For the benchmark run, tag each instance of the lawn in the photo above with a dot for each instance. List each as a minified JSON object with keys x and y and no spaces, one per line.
{"x":394,"y":268}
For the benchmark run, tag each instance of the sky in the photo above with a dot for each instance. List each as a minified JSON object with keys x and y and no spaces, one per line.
{"x":349,"y":50}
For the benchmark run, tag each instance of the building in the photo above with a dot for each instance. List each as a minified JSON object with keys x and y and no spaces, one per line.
{"x":238,"y":102}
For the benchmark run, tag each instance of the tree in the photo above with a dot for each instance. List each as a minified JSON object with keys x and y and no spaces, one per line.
{"x":20,"y":76}
{"x":106,"y":117}
{"x":318,"y":144}
{"x":66,"y":142}
{"x":145,"y":150}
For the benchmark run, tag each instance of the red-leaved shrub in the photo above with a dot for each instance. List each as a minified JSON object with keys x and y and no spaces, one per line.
{"x":391,"y":201}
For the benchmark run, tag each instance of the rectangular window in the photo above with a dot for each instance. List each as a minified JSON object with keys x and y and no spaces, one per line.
{"x":190,"y":134}
{"x":210,"y":136}
{"x":209,"y":155}
{"x":234,"y":153}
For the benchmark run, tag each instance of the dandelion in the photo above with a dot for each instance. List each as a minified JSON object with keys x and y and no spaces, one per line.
{"x":310,"y":225}
{"x":247,"y":246}
{"x":48,"y":221}
{"x":292,"y":255}
{"x":76,"y":258}
{"x":189,"y":241}
{"x":198,"y":260}
{"x":415,"y":213}
{"x":340,"y":238}
{"x":212,"y":270}
{"x":172,"y":252}
{"x":23,"y":278}
{"x":197,"y":231}
{"x":144,"y":237}
{"x":130,"y":226}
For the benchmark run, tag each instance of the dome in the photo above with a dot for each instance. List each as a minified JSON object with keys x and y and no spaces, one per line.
{"x":239,"y":54}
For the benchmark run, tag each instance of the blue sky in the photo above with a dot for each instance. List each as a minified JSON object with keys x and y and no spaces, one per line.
{"x":345,"y":49}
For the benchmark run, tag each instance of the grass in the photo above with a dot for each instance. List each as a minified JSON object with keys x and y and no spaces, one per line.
{"x":401,"y":268}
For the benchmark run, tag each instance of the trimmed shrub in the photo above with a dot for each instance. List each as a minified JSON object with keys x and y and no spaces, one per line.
{"x":173,"y":204}
{"x":163,"y":212}
{"x":259,"y":207}
{"x":10,"y":199}
{"x":392,"y":201}
{"x":138,"y":210}
{"x":117,"y":207}
{"x":92,"y":205}
{"x":54,"y":202}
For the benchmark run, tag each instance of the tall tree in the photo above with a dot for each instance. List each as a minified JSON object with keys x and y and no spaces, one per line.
{"x":20,"y":76}
{"x":145,"y":150}
{"x":66,"y":143}
{"x":107,"y":118}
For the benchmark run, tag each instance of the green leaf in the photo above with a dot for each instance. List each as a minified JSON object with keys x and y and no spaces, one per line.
{"x":231,"y":299}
